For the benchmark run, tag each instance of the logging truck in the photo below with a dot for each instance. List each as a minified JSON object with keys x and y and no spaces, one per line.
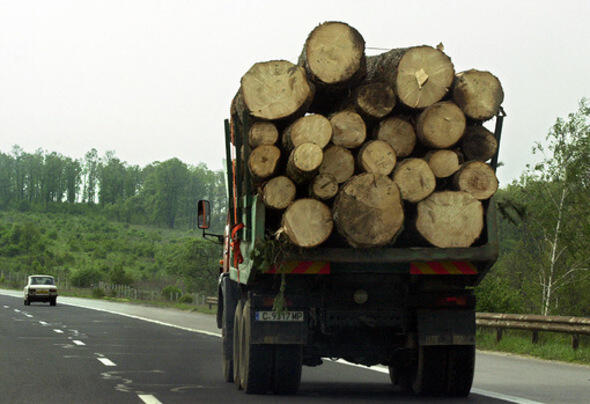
{"x":362,"y":231}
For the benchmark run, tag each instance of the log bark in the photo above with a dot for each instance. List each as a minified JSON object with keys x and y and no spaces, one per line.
{"x":368,"y":210}
{"x":262,"y":133}
{"x":478,"y":93}
{"x":399,"y":133}
{"x":274,"y":90}
{"x":263,"y":161}
{"x":415,"y":179}
{"x":304,"y":162}
{"x":450,"y":219}
{"x":476,"y":178}
{"x":323,"y":187}
{"x":441,"y":125}
{"x":349,"y":129}
{"x":339,"y":162}
{"x":373,"y":100}
{"x":278,"y":193}
{"x":420,"y":76}
{"x":478,"y":143}
{"x":377,"y":157}
{"x":443,"y":163}
{"x":334,"y":55}
{"x":307,"y":222}
{"x":313,"y":128}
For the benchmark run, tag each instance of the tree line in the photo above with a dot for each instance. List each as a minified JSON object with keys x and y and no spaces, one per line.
{"x":161,"y":193}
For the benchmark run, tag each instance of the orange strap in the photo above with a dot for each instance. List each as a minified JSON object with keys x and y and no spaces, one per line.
{"x":235,"y":245}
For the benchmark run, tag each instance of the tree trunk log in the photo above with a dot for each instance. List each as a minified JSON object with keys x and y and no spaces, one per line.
{"x":307,"y":222}
{"x":263,"y":161}
{"x":262,"y":133}
{"x":338,"y":162}
{"x":420,"y":76}
{"x":278,"y":193}
{"x":450,"y":219}
{"x":478,"y":143}
{"x":304,"y":162}
{"x":441,"y":125}
{"x":478,"y":93}
{"x":334,"y":56}
{"x":275,"y":90}
{"x":349,"y":128}
{"x":377,"y":157}
{"x":323,"y":187}
{"x":415,"y":179}
{"x":313,"y":128}
{"x":372,"y":100}
{"x":399,"y":133}
{"x":368,"y":210}
{"x":476,"y":178}
{"x":443,"y":163}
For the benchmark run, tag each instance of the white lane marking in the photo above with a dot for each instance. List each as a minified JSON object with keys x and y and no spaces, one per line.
{"x":28,"y":315}
{"x":57,"y":330}
{"x":17,"y":310}
{"x":6,"y":307}
{"x":106,"y":362}
{"x":149,"y":399}
{"x":78,"y":342}
{"x":43,"y":323}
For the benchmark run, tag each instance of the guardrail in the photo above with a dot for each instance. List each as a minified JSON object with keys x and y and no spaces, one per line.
{"x":211,"y":300}
{"x":575,"y":326}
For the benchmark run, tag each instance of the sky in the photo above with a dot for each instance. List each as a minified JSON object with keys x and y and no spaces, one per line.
{"x":153,"y":80}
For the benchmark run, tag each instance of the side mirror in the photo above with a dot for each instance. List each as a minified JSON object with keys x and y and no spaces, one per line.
{"x":203,"y":215}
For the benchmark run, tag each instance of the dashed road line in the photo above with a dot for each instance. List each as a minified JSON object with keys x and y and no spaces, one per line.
{"x":43,"y":323}
{"x":78,"y":342}
{"x":106,"y":362}
{"x":6,"y":307}
{"x":16,"y":310}
{"x":57,"y":330}
{"x":28,"y":315}
{"x":149,"y":399}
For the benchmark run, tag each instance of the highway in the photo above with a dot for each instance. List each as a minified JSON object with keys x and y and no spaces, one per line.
{"x":90,"y":351}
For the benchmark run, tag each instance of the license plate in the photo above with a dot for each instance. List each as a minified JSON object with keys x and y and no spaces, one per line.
{"x":42,"y":292}
{"x":296,"y":316}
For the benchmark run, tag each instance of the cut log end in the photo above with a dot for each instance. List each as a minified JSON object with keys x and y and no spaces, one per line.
{"x":399,"y":133}
{"x":478,"y":93}
{"x":443,"y":163}
{"x":313,"y":128}
{"x":349,"y":128}
{"x":304,"y":161}
{"x":478,"y":143}
{"x":450,"y":219}
{"x":441,"y":125}
{"x":375,"y":100}
{"x":415,"y":179}
{"x":307,"y":222}
{"x":262,"y":133}
{"x":424,"y":76}
{"x":263,"y":161}
{"x":278,"y":193}
{"x":476,"y":178}
{"x":324,"y":187}
{"x":377,"y":157}
{"x":338,"y":162}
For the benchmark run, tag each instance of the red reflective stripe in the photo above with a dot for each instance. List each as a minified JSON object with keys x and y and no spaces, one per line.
{"x":414,"y":270}
{"x":302,"y":267}
{"x":438,"y":268}
{"x":325,"y":269}
{"x":465,"y":267}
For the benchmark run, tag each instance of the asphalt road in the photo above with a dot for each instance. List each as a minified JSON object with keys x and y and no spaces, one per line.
{"x":71,"y":354}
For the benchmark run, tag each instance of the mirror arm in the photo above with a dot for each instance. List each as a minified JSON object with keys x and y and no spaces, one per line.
{"x":216,"y":238}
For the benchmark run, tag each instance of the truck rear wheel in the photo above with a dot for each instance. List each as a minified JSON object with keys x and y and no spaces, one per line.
{"x":227,"y":360}
{"x":236,"y":338}
{"x":287,"y":369}
{"x":255,"y":360}
{"x":461,"y":363}
{"x":431,"y":371}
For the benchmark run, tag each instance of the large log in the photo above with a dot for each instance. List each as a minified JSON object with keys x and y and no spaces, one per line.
{"x":420,"y":76}
{"x":450,"y":219}
{"x":274,"y":90}
{"x":372,"y":100}
{"x":350,"y":130}
{"x":307,"y":222}
{"x":263,"y":161}
{"x":478,"y":93}
{"x":278,"y":193}
{"x":323,"y":187}
{"x":476,"y":178}
{"x":443,"y":163}
{"x":338,"y":162}
{"x":414,"y":178}
{"x":334,"y":55}
{"x":262,"y":133}
{"x":313,"y":128}
{"x":441,"y":125}
{"x":377,"y":157}
{"x":368,"y":210}
{"x":399,"y":133}
{"x":304,"y":162}
{"x":478,"y":143}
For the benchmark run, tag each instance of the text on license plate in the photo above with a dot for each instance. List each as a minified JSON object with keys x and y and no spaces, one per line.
{"x":284,"y":316}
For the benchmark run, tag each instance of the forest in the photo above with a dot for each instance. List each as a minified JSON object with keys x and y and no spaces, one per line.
{"x":100,"y":218}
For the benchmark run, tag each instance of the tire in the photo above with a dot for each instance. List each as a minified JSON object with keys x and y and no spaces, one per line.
{"x":287,"y":369}
{"x":461,"y":366}
{"x":236,"y":338}
{"x":431,"y":371}
{"x":27,"y":301}
{"x":400,"y":377}
{"x":255,"y":359}
{"x":52,"y":302}
{"x":227,"y":333}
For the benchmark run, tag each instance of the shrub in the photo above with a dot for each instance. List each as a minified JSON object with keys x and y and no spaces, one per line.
{"x":86,"y":277}
{"x":169,"y":292}
{"x":185,"y":299}
{"x":98,"y":293}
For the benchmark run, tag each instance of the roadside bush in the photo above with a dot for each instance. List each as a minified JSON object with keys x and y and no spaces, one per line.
{"x":186,"y":299}
{"x":169,"y":292}
{"x":86,"y":277}
{"x":98,"y":293}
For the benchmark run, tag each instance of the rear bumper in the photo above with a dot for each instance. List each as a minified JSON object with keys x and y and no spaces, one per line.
{"x":41,"y":298}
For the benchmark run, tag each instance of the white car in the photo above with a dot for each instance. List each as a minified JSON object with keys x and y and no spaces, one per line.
{"x":40,"y":288}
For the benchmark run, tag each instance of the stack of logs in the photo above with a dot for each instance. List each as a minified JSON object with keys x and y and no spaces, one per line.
{"x":374,"y":145}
